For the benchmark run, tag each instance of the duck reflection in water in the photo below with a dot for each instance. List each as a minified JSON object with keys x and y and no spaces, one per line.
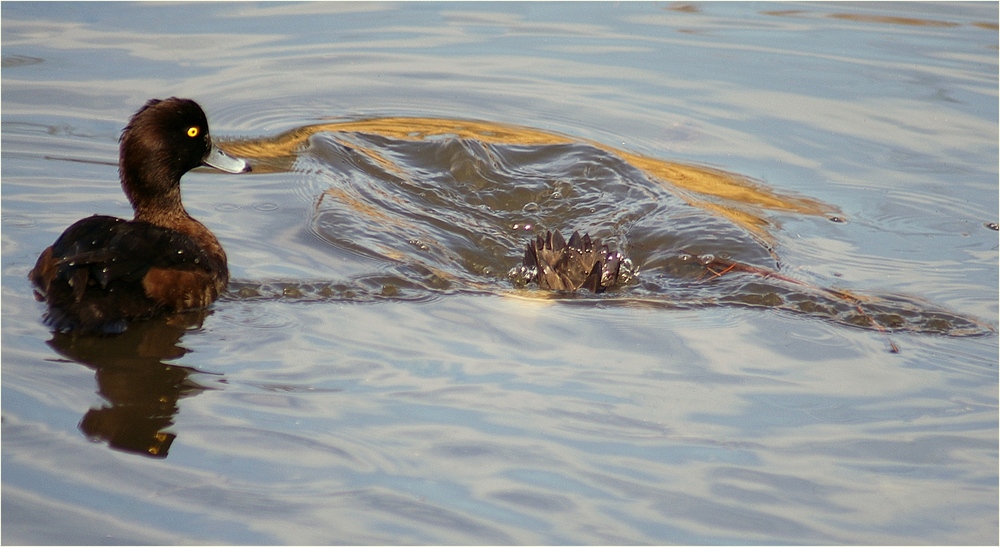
{"x":135,"y":375}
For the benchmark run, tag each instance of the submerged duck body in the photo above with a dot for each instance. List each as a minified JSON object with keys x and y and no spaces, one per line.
{"x":104,"y":272}
{"x":558,"y":265}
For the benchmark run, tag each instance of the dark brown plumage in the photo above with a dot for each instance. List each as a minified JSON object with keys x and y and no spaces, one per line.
{"x":567,"y":266}
{"x":104,"y":272}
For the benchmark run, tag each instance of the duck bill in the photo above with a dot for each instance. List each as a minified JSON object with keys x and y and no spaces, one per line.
{"x":224,"y":162}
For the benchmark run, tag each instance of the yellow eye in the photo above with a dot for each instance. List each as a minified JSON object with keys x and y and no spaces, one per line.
{"x":193,"y":131}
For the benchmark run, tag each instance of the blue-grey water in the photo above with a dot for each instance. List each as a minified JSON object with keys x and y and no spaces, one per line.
{"x":374,"y":376}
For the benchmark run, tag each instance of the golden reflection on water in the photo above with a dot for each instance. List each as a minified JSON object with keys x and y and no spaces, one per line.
{"x":878,"y":19}
{"x":734,"y":197}
{"x":908,"y":21}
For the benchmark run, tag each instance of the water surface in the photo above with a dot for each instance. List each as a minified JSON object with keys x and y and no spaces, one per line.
{"x":374,"y":376}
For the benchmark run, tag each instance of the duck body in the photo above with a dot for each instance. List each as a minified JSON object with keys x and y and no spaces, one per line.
{"x":104,"y":272}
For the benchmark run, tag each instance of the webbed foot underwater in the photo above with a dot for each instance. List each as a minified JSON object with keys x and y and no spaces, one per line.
{"x":580,"y":263}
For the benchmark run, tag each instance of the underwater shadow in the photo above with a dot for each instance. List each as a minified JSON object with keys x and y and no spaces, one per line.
{"x":444,"y":206}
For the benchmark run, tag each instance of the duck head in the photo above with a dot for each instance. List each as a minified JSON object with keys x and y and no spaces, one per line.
{"x":162,"y":141}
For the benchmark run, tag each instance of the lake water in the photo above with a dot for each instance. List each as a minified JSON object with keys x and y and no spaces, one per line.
{"x":374,"y":375}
